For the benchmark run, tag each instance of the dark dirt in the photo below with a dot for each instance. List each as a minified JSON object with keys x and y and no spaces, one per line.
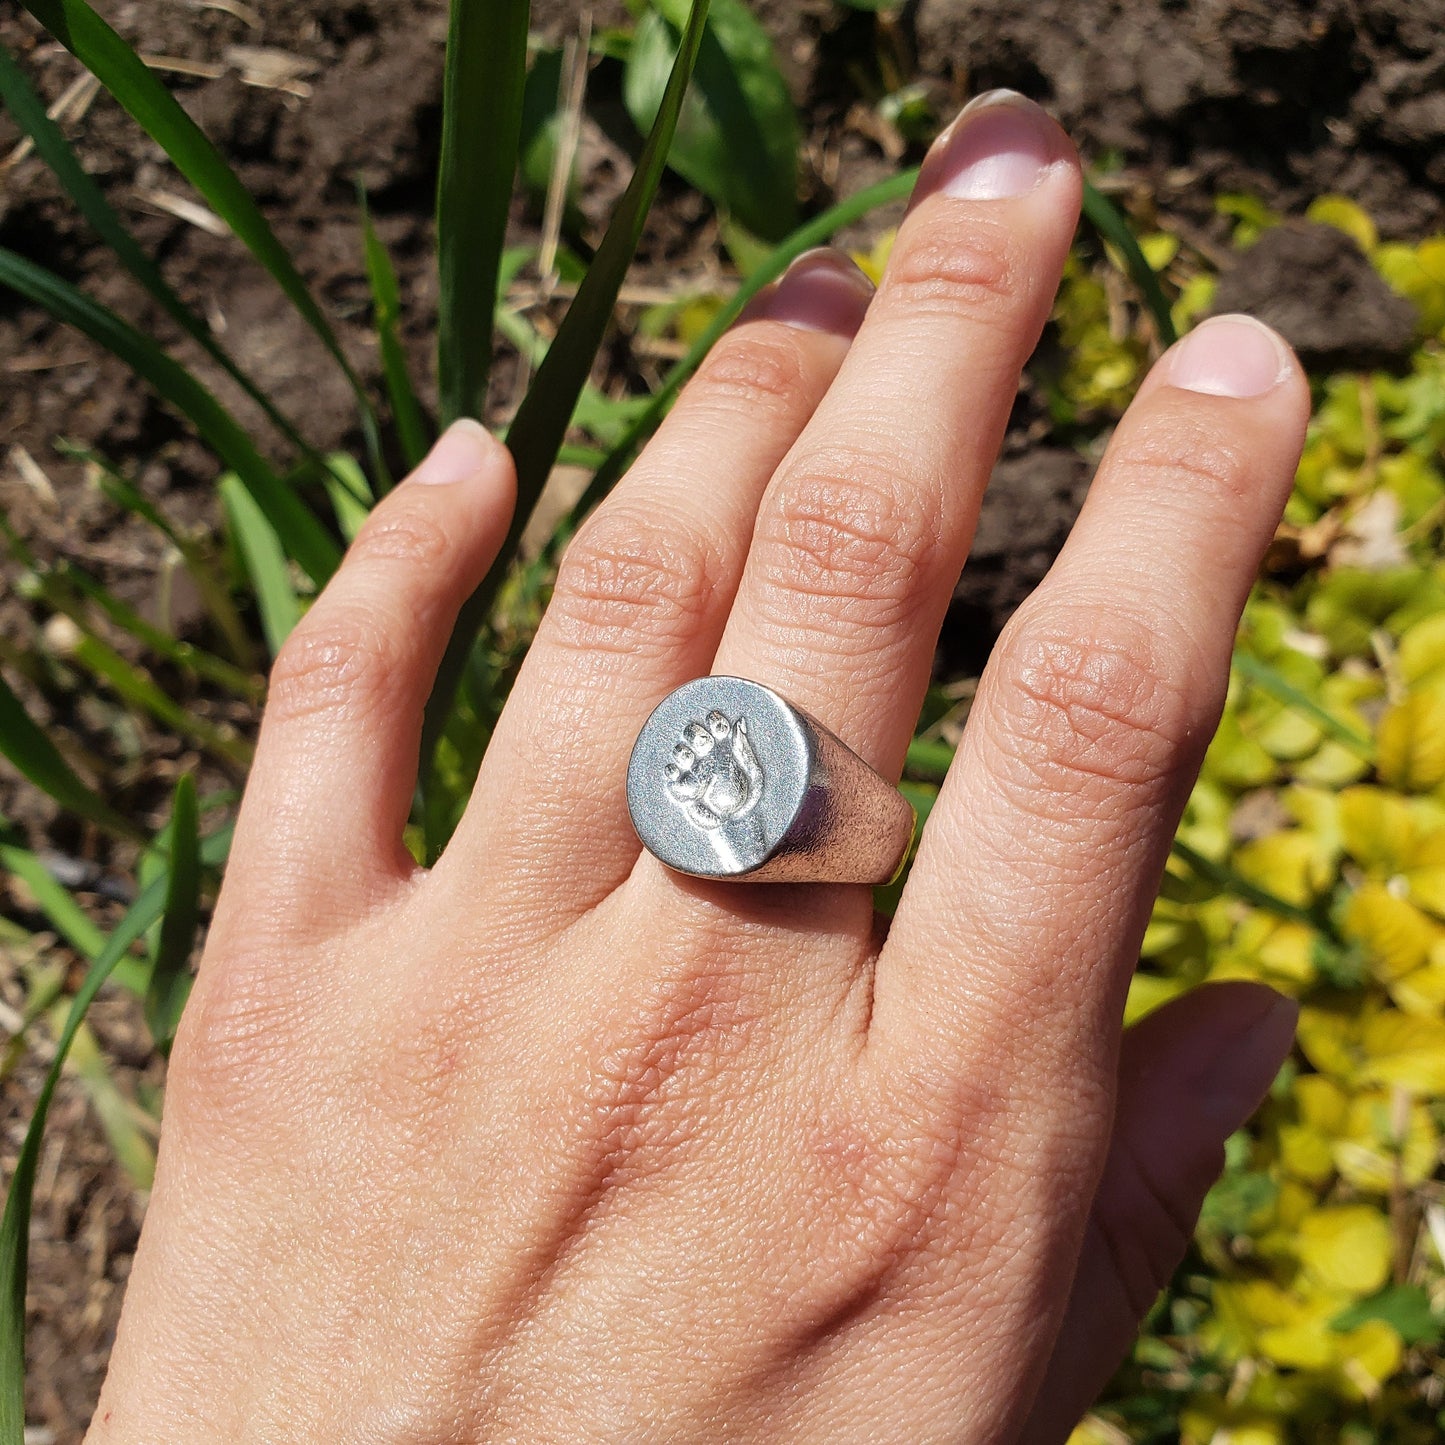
{"x":1280,"y":98}
{"x":1316,"y":287}
{"x":1287,"y":99}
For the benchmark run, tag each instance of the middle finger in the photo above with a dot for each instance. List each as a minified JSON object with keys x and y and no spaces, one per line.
{"x":861,"y":535}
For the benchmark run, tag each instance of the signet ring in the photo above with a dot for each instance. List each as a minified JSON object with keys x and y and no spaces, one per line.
{"x":729,"y":780}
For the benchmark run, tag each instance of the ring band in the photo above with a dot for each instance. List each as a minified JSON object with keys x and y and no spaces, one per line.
{"x":728,"y":780}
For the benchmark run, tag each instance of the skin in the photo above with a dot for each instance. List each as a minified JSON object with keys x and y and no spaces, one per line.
{"x":550,"y":1144}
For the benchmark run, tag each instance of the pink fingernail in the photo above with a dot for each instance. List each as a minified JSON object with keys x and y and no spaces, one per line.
{"x":1236,"y":1077}
{"x":460,"y":452}
{"x":821,"y":291}
{"x":1229,"y":356}
{"x":1002,"y":145}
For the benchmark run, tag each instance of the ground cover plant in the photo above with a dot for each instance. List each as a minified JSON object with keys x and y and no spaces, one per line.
{"x":1311,"y":854}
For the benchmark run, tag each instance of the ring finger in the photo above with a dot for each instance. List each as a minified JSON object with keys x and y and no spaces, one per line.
{"x":643,"y":591}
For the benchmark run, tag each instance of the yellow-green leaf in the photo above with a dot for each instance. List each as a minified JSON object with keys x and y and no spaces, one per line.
{"x":1346,"y":1248}
{"x":1411,"y":741}
{"x":1347,"y":216}
{"x":1395,"y":935}
{"x":1399,"y":1049}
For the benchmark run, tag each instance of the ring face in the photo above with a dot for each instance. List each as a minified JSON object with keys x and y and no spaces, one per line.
{"x":729,"y":780}
{"x":718,"y":776}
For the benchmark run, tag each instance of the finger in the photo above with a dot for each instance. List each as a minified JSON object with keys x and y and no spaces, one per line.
{"x":997,"y":997}
{"x":1021,"y":922}
{"x":861,"y":535}
{"x":643,"y":591}
{"x":1189,"y":1076}
{"x":336,"y":764}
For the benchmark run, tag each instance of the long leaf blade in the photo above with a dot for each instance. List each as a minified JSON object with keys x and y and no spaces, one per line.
{"x":540,"y":426}
{"x":386,"y":303}
{"x":50,"y":144}
{"x":303,"y":534}
{"x":211,"y":586}
{"x":125,"y":75}
{"x":738,"y":135}
{"x":481,"y":131}
{"x":1104,"y":217}
{"x":170,"y":983}
{"x":37,"y":759}
{"x":52,"y":898}
{"x":15,"y":1224}
{"x":265,"y":560}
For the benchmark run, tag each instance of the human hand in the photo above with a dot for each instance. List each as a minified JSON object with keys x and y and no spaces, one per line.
{"x":549,"y":1143}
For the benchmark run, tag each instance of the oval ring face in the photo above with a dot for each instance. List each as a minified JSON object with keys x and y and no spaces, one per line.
{"x":717,"y":777}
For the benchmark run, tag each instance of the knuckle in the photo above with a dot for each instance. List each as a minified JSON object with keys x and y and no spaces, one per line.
{"x":628,"y":582}
{"x":844,"y":532}
{"x":412,"y":537}
{"x":1084,"y":709}
{"x":236,"y":1052}
{"x":974,"y":267}
{"x":337,"y":659}
{"x":1173,"y":451}
{"x":764,"y":363}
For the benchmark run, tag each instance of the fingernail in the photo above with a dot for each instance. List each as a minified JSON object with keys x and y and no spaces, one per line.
{"x":1001,"y":145}
{"x":460,"y":452}
{"x":1229,"y":356}
{"x":1235,"y":1078}
{"x":821,"y":291}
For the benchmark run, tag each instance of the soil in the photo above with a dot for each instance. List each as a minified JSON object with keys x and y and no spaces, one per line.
{"x":1283,"y":99}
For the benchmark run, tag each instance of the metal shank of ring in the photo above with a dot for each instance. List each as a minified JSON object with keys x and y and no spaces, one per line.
{"x":728,"y":780}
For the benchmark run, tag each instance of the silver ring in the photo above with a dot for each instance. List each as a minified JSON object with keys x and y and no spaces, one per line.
{"x":729,"y":780}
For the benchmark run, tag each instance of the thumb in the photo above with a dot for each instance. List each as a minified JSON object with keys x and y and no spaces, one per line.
{"x":1189,"y":1075}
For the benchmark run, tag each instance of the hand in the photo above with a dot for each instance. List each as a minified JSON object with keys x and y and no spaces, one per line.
{"x":549,"y":1144}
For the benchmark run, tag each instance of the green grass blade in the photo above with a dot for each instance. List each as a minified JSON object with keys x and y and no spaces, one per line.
{"x":265,"y":560}
{"x":411,"y":426}
{"x":304,"y":536}
{"x":1228,"y":881}
{"x":139,"y":691}
{"x":44,"y":983}
{"x":15,"y":1224}
{"x":180,"y":654}
{"x":1104,"y":216}
{"x":486,"y":69}
{"x":540,"y":426}
{"x":126,"y":76}
{"x":32,"y":753}
{"x":738,"y":135}
{"x":202,"y":569}
{"x":120,"y":1120}
{"x":351,"y":496}
{"x":52,"y":898}
{"x":1264,"y":677}
{"x":67,"y":588}
{"x":50,"y":144}
{"x":170,"y":984}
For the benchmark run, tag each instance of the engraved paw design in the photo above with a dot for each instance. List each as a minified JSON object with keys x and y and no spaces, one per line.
{"x":714,"y":775}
